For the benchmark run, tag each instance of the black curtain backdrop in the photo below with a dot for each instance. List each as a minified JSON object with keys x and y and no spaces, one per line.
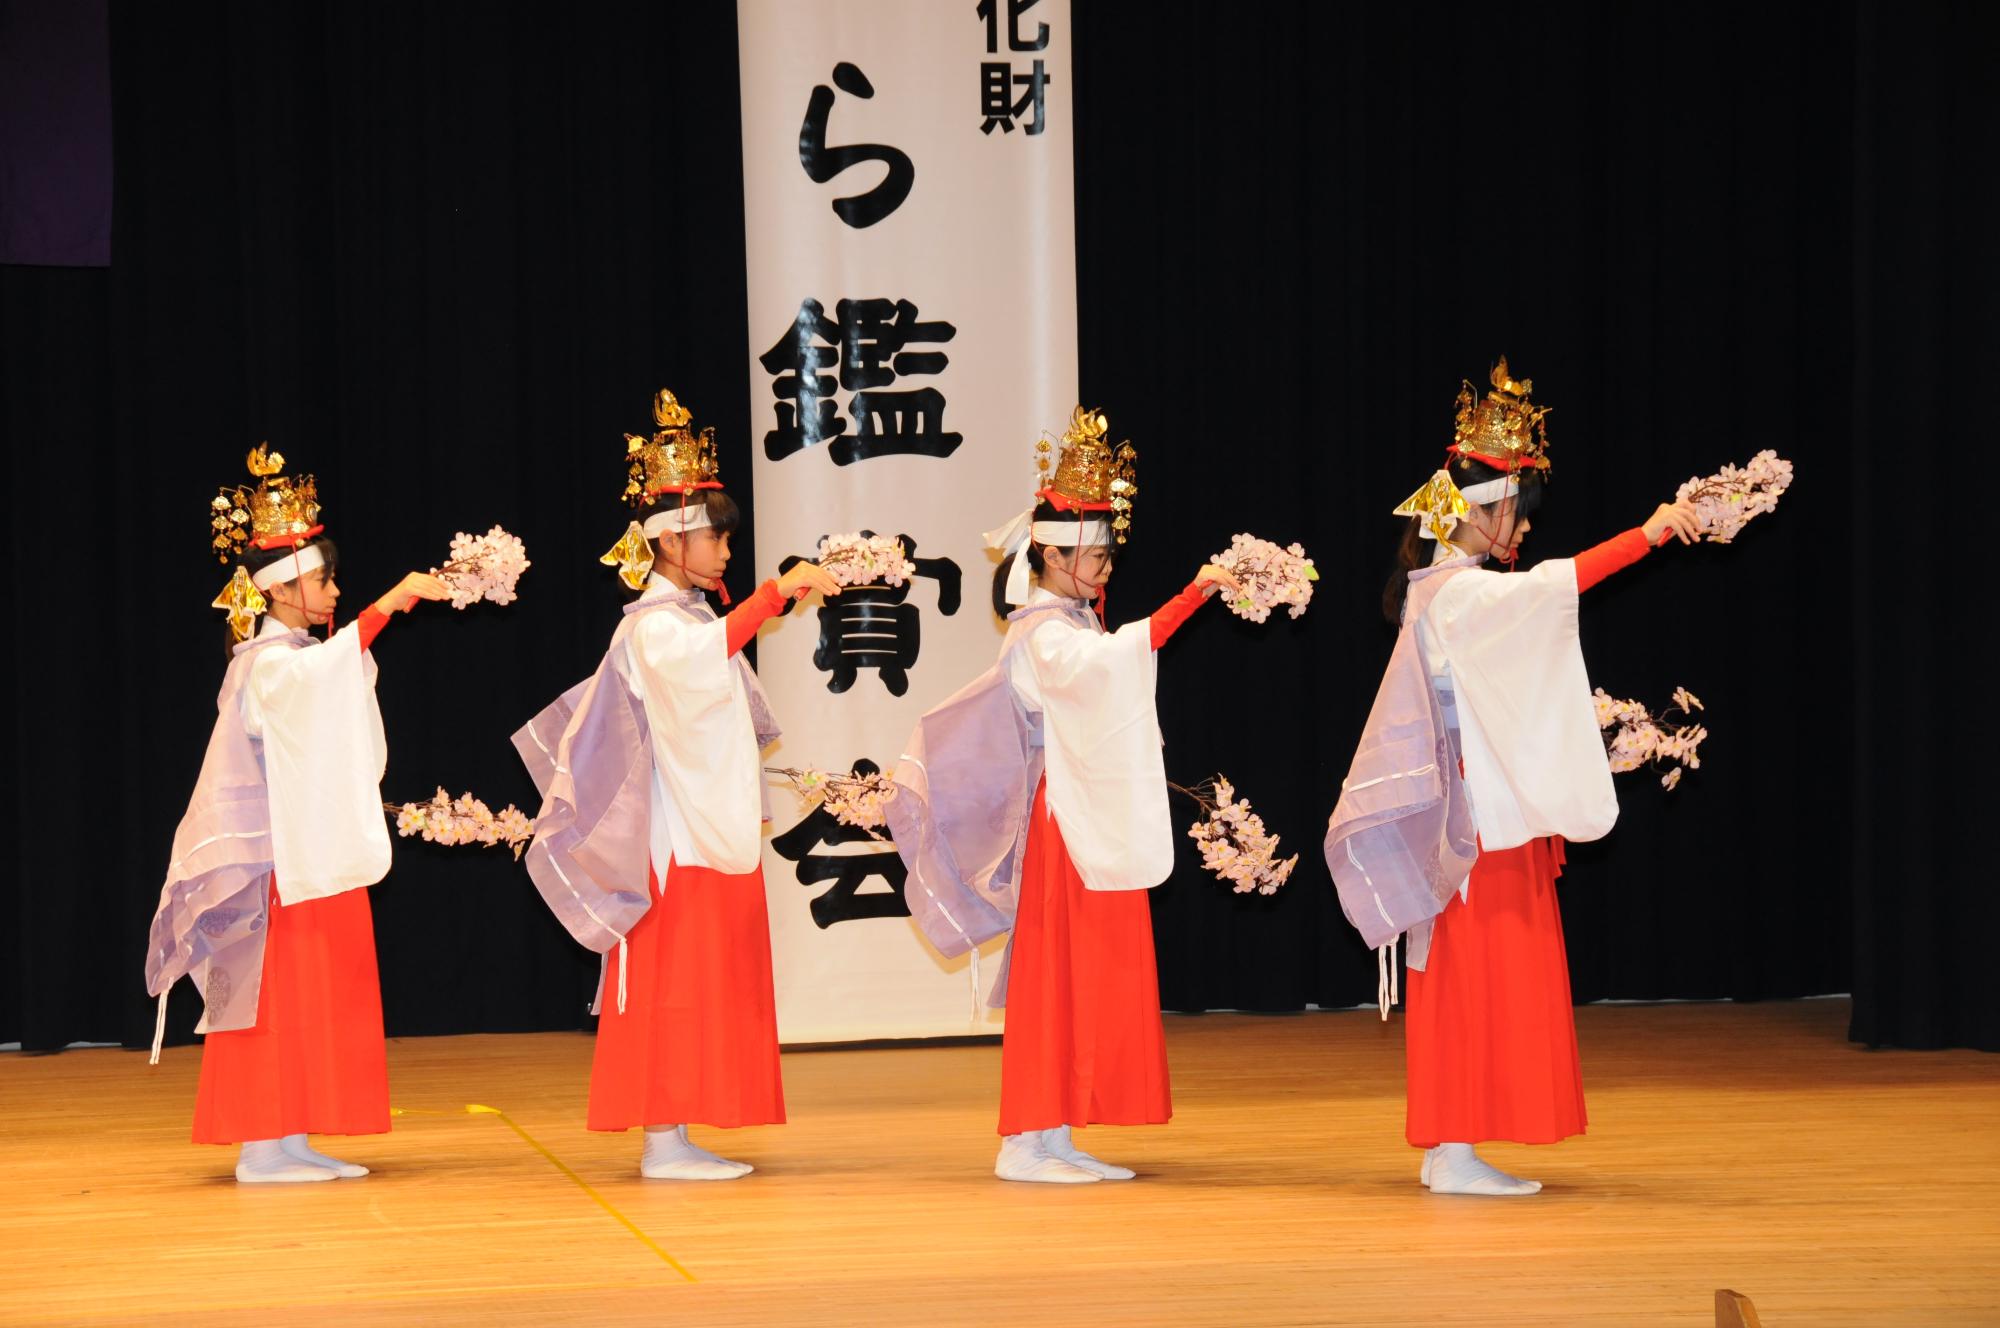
{"x":442,"y":255}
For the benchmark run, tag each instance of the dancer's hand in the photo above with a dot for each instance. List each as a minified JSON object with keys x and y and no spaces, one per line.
{"x":413,"y":587}
{"x":1210,"y":577}
{"x":1676,"y":519}
{"x":804,"y":578}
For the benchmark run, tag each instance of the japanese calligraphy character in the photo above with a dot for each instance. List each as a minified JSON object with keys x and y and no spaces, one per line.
{"x":869,"y":341}
{"x":993,"y":92}
{"x":872,"y":627}
{"x":1015,"y":42}
{"x":822,"y":163}
{"x":811,"y":415}
{"x":845,"y":902}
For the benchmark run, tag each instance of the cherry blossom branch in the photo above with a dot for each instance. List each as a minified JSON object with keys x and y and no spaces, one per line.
{"x":483,"y":567}
{"x":1234,"y":843}
{"x":852,"y":799}
{"x":1726,"y":501}
{"x":865,"y":560}
{"x":463,"y":820}
{"x":1271,"y":577}
{"x":1634,"y":736}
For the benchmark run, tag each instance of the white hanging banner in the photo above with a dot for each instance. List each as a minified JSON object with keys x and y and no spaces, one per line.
{"x":909,"y":211}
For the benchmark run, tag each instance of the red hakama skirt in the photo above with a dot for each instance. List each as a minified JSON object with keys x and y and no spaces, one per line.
{"x":314,"y":1062}
{"x":1084,"y":1044}
{"x":1490,"y":1034}
{"x":698,"y":1041}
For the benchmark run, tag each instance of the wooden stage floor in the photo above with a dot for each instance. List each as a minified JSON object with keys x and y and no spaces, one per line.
{"x":1748,"y":1147}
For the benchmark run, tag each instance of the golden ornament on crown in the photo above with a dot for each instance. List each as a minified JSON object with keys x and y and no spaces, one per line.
{"x":1504,"y":429}
{"x":677,"y":460}
{"x":1090,"y":474}
{"x":281,"y":512}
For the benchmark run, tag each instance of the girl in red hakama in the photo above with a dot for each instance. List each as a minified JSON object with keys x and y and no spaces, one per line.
{"x":263,"y":905}
{"x":1065,"y":722}
{"x":1489,"y":1028}
{"x":688,"y":1030}
{"x":1490,"y":1033}
{"x":1084,"y":1044}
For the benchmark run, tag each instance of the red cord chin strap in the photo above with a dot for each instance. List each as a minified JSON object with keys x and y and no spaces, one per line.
{"x":720,"y":589}
{"x":299,"y":580}
{"x":1512,"y":561}
{"x":1513,"y":556}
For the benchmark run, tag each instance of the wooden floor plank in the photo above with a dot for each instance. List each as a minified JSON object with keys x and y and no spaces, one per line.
{"x":1749,"y":1147}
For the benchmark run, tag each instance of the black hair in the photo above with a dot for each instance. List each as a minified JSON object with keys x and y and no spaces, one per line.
{"x":1414,"y":551}
{"x":1044,"y":511}
{"x":254,"y":560}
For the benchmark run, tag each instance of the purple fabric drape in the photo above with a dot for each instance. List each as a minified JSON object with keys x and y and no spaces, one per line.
{"x":1401,"y":839}
{"x":964,"y":786}
{"x":590,"y":754}
{"x":210,"y":921}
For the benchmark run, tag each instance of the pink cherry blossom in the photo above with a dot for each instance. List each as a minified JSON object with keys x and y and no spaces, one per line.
{"x":1634,"y":736}
{"x":463,"y":820}
{"x":1234,"y":843}
{"x":1726,"y":501}
{"x":852,"y":799}
{"x":1271,"y":577}
{"x":483,"y":567}
{"x":855,"y":559}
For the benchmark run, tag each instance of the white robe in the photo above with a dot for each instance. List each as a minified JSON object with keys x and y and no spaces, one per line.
{"x":314,"y":708}
{"x":1107,"y":777}
{"x":708,"y":785}
{"x":1505,"y":644}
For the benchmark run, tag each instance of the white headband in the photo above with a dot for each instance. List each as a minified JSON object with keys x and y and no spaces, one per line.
{"x":679,"y":519}
{"x":301,"y":561}
{"x":1012,"y":540}
{"x":1493,"y":490}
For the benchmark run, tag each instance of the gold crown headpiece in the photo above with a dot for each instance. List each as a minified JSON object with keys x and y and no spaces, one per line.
{"x":677,"y":460}
{"x":1504,"y":429}
{"x":281,"y":512}
{"x":1090,"y":475}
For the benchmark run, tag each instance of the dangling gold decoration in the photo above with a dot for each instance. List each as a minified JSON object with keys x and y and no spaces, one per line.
{"x":242,"y":601}
{"x":1439,"y":505}
{"x":1124,"y":488}
{"x":280,"y":512}
{"x":632,"y":555}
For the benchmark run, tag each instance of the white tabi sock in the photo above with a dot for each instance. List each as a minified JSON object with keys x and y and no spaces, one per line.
{"x":744,"y":1167}
{"x":296,"y":1147}
{"x":1456,"y":1169}
{"x":669,"y":1156}
{"x":1058,"y":1144}
{"x":265,"y":1162}
{"x":1022,"y":1157}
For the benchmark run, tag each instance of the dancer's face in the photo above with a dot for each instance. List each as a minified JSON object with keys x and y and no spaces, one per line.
{"x":1077,"y":573}
{"x":311,"y":597}
{"x":1493,"y":531}
{"x":701,"y":555}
